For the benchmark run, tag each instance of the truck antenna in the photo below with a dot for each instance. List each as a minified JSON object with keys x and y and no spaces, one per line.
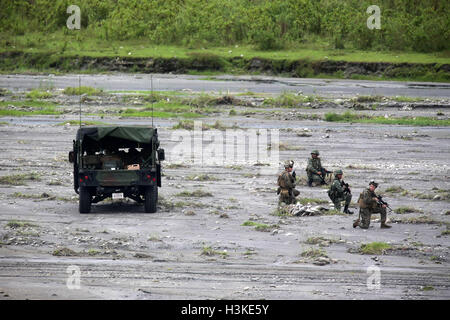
{"x":151,"y":85}
{"x":79,"y":92}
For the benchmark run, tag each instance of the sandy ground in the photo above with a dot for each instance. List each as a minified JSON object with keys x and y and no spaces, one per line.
{"x":122,"y":253}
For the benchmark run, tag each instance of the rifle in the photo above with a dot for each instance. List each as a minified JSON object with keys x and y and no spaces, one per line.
{"x":381,"y":202}
{"x":346,"y":187}
{"x":294,"y":175}
{"x":324,"y":173}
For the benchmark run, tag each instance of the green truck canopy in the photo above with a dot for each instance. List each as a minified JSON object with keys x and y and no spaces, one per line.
{"x":135,"y":134}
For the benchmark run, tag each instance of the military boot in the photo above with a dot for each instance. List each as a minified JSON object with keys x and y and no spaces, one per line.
{"x":347,"y":211}
{"x":385,"y":226}
{"x":356,"y":223}
{"x":310,"y":182}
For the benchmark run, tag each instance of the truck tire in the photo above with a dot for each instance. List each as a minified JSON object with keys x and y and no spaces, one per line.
{"x":85,"y":200}
{"x":151,"y":199}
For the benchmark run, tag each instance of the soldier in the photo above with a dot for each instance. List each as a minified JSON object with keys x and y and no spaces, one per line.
{"x":369,"y":204}
{"x":286,"y":184}
{"x":339,"y":191}
{"x":314,"y":170}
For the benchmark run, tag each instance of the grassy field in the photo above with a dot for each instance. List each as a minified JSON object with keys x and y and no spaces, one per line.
{"x":69,"y":45}
{"x":58,"y":53}
{"x":359,"y":118}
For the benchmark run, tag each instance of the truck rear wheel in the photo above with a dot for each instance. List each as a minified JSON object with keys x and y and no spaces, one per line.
{"x":151,"y":199}
{"x":85,"y":200}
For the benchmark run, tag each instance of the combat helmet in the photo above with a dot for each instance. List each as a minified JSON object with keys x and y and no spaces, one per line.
{"x":316,"y":152}
{"x":289,"y":164}
{"x":338,"y":171}
{"x":373,"y":182}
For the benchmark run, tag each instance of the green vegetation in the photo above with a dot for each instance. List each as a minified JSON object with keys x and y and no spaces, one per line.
{"x":75,"y":91}
{"x":189,"y":125}
{"x":196,"y":193}
{"x":156,"y":114}
{"x":184,"y":125}
{"x":260,"y":226}
{"x":27,"y":233}
{"x":395,"y":189}
{"x":216,"y":36}
{"x":321,"y":241}
{"x":30,"y":196}
{"x":64,"y":252}
{"x":42,"y":196}
{"x":314,"y":253}
{"x":423,"y":219}
{"x":4,"y":92}
{"x":427,"y":288}
{"x":209,"y":251}
{"x":27,"y":104}
{"x":374,"y":248}
{"x":406,"y":99}
{"x":28,"y":108}
{"x":15,"y":224}
{"x":289,"y":100}
{"x":83,"y":123}
{"x":266,"y":25}
{"x":305,"y":201}
{"x":281,"y":211}
{"x":38,"y":94}
{"x":402,"y":210}
{"x":19,"y":179}
{"x":93,"y":252}
{"x":249,"y":252}
{"x":154,"y":237}
{"x":364,"y":99}
{"x":361,"y":118}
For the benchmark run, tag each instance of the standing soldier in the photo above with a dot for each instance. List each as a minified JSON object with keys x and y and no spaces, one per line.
{"x":369,"y":204}
{"x":314,"y":170}
{"x":286,"y":184}
{"x":339,"y":191}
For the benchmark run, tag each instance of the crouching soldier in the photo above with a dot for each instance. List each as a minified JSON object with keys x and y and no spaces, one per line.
{"x":286,"y":184}
{"x":369,"y":204}
{"x":314,"y":170}
{"x":339,"y":191}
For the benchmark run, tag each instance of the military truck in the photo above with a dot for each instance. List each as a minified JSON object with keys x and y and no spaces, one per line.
{"x":117,"y":162}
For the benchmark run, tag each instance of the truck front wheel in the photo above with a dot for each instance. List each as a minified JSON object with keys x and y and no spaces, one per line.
{"x":85,"y":200}
{"x":151,"y":199}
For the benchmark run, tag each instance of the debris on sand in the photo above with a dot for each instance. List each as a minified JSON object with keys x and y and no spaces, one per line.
{"x":300,"y":210}
{"x":317,"y":257}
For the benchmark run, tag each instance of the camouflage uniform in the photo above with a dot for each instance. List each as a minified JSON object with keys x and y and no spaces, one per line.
{"x":287,"y":191}
{"x":314,"y":165}
{"x":369,"y":206}
{"x":338,"y":193}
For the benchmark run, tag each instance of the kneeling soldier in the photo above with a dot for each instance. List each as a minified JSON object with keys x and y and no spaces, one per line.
{"x":286,"y":184}
{"x":369,"y":204}
{"x":339,"y":191}
{"x":314,"y":170}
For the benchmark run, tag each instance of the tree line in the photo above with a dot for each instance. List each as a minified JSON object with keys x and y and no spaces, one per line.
{"x":417,"y":25}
